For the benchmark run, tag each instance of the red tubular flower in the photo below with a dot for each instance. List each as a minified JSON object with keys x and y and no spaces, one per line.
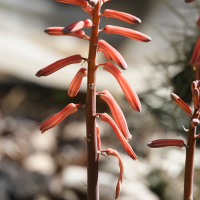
{"x":81,"y":3}
{"x":105,"y":53}
{"x":112,"y":152}
{"x":127,"y":32}
{"x":166,"y":143}
{"x":116,"y":113}
{"x":122,"y":16}
{"x":76,"y":82}
{"x":59,"y":117}
{"x":106,"y":118}
{"x":125,"y":85}
{"x":98,"y":140}
{"x":195,"y":59}
{"x":58,"y":65}
{"x":77,"y":26}
{"x":57,"y":31}
{"x":181,"y":104}
{"x":195,"y":97}
{"x":113,"y":53}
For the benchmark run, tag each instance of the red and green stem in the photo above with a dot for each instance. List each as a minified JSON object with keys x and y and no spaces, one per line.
{"x":92,"y":152}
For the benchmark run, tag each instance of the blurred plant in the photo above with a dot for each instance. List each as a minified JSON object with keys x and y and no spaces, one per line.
{"x":119,"y":124}
{"x":194,"y":121}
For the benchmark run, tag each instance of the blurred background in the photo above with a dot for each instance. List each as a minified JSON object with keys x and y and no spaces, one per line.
{"x":52,"y":166}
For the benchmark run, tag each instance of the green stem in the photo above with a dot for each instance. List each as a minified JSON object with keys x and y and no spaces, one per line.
{"x":92,"y":162}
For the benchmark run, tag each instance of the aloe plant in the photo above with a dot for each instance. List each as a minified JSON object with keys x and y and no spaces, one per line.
{"x":194,"y":121}
{"x":119,"y":123}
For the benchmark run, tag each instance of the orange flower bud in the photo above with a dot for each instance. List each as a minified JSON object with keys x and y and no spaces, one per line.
{"x":122,"y":16}
{"x":76,"y":82}
{"x":127,"y":32}
{"x":113,"y":53}
{"x":166,"y":143}
{"x":59,"y":117}
{"x":57,"y":31}
{"x":106,"y":118}
{"x":105,"y":53}
{"x":112,"y":152}
{"x":116,"y":113}
{"x":58,"y":65}
{"x":181,"y":104}
{"x":81,"y":3}
{"x":125,"y":85}
{"x":77,"y":26}
{"x":195,"y":97}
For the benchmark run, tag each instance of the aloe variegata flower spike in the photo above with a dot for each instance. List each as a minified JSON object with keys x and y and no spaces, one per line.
{"x":113,"y":53}
{"x":58,"y":65}
{"x":112,"y":152}
{"x":57,"y":31}
{"x":127,"y":32}
{"x":122,"y":16}
{"x":181,"y":104}
{"x":77,"y":26}
{"x":166,"y":143}
{"x":98,"y":140}
{"x":59,"y":117}
{"x":106,"y":118}
{"x":76,"y":82}
{"x":116,"y":113}
{"x":128,"y":90}
{"x":195,"y":97}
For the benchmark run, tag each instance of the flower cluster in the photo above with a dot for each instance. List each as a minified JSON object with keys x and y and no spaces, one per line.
{"x":195,"y":87}
{"x":118,"y":123}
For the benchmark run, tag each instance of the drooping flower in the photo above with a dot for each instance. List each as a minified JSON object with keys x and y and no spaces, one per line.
{"x":113,"y":152}
{"x":116,"y":113}
{"x":77,"y":26}
{"x":181,"y":104}
{"x":58,"y":65}
{"x":98,"y":140}
{"x":122,"y":16}
{"x":106,"y":118}
{"x":127,"y":32}
{"x":57,"y":31}
{"x":195,"y":98}
{"x":128,"y":90}
{"x":195,"y":59}
{"x":81,"y":3}
{"x":59,"y":117}
{"x":76,"y":82}
{"x":105,"y":53}
{"x":166,"y":143}
{"x":113,"y":53}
